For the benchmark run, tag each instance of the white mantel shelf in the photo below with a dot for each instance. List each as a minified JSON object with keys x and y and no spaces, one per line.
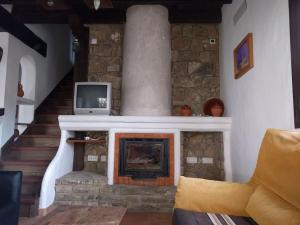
{"x":92,"y":122}
{"x":62,"y":163}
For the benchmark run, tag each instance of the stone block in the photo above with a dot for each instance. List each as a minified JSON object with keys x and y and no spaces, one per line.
{"x":179,"y":68}
{"x":187,"y":30}
{"x":176,"y":30}
{"x":181,"y":44}
{"x":185,"y":55}
{"x":63,"y":188}
{"x":113,"y":68}
{"x":91,"y":189}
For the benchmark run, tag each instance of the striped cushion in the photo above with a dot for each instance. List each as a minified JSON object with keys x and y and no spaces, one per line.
{"x":183,"y":217}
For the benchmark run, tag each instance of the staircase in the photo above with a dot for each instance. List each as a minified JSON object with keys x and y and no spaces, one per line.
{"x":32,"y":151}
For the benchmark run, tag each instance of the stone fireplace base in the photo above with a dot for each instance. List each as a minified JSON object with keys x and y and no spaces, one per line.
{"x":91,"y":189}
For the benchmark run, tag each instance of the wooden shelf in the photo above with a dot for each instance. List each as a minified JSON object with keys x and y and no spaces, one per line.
{"x":79,"y":141}
{"x":24,"y":101}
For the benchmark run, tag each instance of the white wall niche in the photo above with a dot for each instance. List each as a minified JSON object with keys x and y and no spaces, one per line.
{"x":27,"y":77}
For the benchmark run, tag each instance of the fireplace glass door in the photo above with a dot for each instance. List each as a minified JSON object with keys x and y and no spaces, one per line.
{"x":144,"y":158}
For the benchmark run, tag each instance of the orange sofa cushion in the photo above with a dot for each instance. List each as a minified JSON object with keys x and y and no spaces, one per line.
{"x":278,"y":165}
{"x":267,"y":208}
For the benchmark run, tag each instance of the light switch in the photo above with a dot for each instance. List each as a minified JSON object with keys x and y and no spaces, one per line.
{"x":103,"y":158}
{"x":191,"y":160}
{"x":94,"y":41}
{"x":92,"y":158}
{"x":206,"y":160}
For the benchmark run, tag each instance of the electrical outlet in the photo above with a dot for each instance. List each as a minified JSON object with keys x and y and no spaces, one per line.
{"x":212,"y":41}
{"x":103,"y":158}
{"x":206,"y":160}
{"x":92,"y":158}
{"x":94,"y":41}
{"x":191,"y":160}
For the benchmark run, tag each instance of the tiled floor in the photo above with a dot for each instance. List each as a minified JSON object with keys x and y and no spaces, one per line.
{"x":147,"y":219}
{"x":130,"y":218}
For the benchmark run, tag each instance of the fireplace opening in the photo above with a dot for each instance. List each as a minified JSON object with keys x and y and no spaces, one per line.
{"x":144,"y":158}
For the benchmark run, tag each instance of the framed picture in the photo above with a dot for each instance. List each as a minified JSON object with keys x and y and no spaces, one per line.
{"x":243,"y":56}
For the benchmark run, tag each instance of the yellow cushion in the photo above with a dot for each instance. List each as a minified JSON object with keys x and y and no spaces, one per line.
{"x":278,"y":165}
{"x":212,"y":196}
{"x":267,"y":208}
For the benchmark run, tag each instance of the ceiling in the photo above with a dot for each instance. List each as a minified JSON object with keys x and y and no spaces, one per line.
{"x":112,"y":11}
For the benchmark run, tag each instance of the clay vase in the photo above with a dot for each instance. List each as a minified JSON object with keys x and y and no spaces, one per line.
{"x":216,"y":110}
{"x":185,"y":110}
{"x":20,"y":90}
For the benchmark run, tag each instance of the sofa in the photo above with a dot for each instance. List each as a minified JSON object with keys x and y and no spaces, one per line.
{"x":271,"y":197}
{"x":10,"y":194}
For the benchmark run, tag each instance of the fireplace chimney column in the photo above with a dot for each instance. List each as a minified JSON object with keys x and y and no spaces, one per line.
{"x":146,"y":79}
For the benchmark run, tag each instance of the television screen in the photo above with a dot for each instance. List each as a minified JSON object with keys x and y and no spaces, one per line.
{"x":91,"y":96}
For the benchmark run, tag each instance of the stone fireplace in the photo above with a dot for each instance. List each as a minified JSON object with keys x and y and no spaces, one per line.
{"x":144,"y":159}
{"x":154,"y":68}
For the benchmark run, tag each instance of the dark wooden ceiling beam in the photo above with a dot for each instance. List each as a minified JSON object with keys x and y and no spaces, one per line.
{"x":79,"y":7}
{"x":176,"y":16}
{"x":180,"y":11}
{"x":13,"y":26}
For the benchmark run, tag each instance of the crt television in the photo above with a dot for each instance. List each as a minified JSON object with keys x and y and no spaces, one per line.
{"x":92,"y":98}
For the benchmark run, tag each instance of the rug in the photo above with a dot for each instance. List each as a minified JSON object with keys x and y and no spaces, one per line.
{"x":80,"y":215}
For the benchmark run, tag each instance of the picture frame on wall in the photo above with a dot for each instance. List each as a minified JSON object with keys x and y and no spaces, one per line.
{"x":243,"y":56}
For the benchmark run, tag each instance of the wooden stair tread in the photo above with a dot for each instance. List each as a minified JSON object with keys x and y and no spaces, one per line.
{"x":25,"y":162}
{"x":32,"y":179}
{"x":43,"y":125}
{"x":49,"y":112}
{"x":33,"y":148}
{"x":28,"y":199}
{"x":39,"y":136}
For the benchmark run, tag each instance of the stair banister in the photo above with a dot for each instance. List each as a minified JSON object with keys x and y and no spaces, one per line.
{"x":61,"y":164}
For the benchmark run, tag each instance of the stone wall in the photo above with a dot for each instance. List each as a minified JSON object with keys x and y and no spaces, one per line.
{"x":195,"y":64}
{"x":195,"y":78}
{"x":105,"y":59}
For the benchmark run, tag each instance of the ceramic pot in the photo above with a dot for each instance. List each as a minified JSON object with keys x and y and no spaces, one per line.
{"x":216,"y":110}
{"x":185,"y":110}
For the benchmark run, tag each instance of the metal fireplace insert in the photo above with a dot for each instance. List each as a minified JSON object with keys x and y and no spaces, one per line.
{"x":144,"y":158}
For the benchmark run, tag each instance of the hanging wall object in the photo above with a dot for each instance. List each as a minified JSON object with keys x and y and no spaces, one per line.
{"x":243,"y":56}
{"x":20,"y":90}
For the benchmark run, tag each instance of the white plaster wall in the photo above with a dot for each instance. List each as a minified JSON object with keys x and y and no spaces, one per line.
{"x":3,"y":65}
{"x":263,"y":97}
{"x":49,"y":70}
{"x":58,"y":62}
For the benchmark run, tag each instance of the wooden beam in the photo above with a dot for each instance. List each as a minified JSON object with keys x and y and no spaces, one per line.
{"x":57,"y":5}
{"x":2,"y":111}
{"x":79,"y":7}
{"x":294,"y":7}
{"x":176,"y":16}
{"x":20,"y":31}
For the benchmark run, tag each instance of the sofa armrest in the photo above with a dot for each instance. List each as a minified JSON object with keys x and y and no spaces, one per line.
{"x":212,"y":196}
